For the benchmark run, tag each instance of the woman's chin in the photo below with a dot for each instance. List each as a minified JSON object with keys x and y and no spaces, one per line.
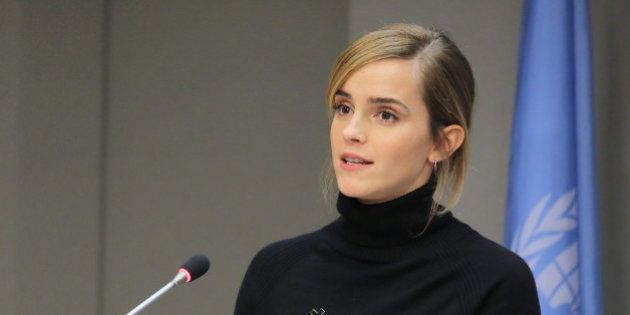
{"x":363,"y":194}
{"x":352,"y":191}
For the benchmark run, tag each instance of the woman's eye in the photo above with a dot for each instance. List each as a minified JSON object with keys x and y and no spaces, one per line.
{"x":342,"y":109}
{"x":387,"y":116}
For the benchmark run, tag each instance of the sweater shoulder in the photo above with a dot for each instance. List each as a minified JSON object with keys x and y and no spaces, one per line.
{"x":486,"y":253}
{"x":284,"y":252}
{"x":503,"y":279}
{"x":268,"y":265}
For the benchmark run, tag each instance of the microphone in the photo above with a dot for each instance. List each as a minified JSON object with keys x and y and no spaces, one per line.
{"x":195,"y":267}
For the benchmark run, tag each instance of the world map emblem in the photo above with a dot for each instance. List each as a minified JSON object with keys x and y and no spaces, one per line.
{"x":548,"y":242}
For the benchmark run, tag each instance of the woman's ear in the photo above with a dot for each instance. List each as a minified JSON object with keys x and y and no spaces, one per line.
{"x":450,"y":139}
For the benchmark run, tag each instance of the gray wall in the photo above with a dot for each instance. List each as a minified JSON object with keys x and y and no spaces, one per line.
{"x":611,"y":48}
{"x":216,"y":138}
{"x":135,"y":133}
{"x":52,"y":100}
{"x":9,"y":25}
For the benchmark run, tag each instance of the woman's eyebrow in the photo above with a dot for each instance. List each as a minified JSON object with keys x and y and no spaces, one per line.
{"x":387,"y":100}
{"x":343,"y":93}
{"x":376,"y":100}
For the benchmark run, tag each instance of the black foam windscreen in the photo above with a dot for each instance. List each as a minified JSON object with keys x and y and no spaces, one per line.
{"x":196,"y":266}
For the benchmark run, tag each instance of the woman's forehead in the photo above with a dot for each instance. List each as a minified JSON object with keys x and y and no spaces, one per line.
{"x":389,"y":78}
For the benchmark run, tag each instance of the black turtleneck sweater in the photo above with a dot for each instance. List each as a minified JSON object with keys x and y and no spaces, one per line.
{"x":371,"y":261}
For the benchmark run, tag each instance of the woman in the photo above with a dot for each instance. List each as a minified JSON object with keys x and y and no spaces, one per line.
{"x":401,"y":100}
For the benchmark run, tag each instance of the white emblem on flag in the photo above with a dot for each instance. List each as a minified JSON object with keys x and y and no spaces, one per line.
{"x":554,"y":263}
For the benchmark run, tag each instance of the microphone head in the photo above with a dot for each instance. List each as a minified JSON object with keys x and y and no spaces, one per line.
{"x":195,"y":267}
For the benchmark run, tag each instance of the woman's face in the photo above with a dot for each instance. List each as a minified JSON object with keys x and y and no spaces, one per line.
{"x":380,"y":135}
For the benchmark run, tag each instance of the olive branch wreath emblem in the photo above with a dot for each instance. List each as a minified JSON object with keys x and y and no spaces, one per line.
{"x":544,"y":227}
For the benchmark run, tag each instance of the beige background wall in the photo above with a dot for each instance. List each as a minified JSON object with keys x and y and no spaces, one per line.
{"x":134,"y":134}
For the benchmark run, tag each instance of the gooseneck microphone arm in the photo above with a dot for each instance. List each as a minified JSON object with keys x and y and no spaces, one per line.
{"x":179,"y":278}
{"x":195,"y":267}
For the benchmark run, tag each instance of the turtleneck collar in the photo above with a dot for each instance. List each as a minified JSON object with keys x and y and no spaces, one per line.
{"x":389,"y":223}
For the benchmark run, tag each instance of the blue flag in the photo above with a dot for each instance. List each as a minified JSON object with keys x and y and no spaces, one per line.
{"x":551,"y":216}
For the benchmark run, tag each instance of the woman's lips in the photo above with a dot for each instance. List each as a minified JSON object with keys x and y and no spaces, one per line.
{"x":354,"y":162}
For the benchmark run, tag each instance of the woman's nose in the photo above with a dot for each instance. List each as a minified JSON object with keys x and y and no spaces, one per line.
{"x":354,"y":131}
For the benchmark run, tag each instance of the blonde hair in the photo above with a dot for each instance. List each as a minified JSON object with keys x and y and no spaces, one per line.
{"x":448,"y":90}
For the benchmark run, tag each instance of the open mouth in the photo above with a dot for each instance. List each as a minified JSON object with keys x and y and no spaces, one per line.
{"x":356,"y":161}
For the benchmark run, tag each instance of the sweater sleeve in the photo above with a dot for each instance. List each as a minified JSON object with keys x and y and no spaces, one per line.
{"x":514,"y":292}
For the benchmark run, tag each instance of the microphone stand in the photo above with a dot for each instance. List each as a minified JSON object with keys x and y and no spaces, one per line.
{"x":179,"y":279}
